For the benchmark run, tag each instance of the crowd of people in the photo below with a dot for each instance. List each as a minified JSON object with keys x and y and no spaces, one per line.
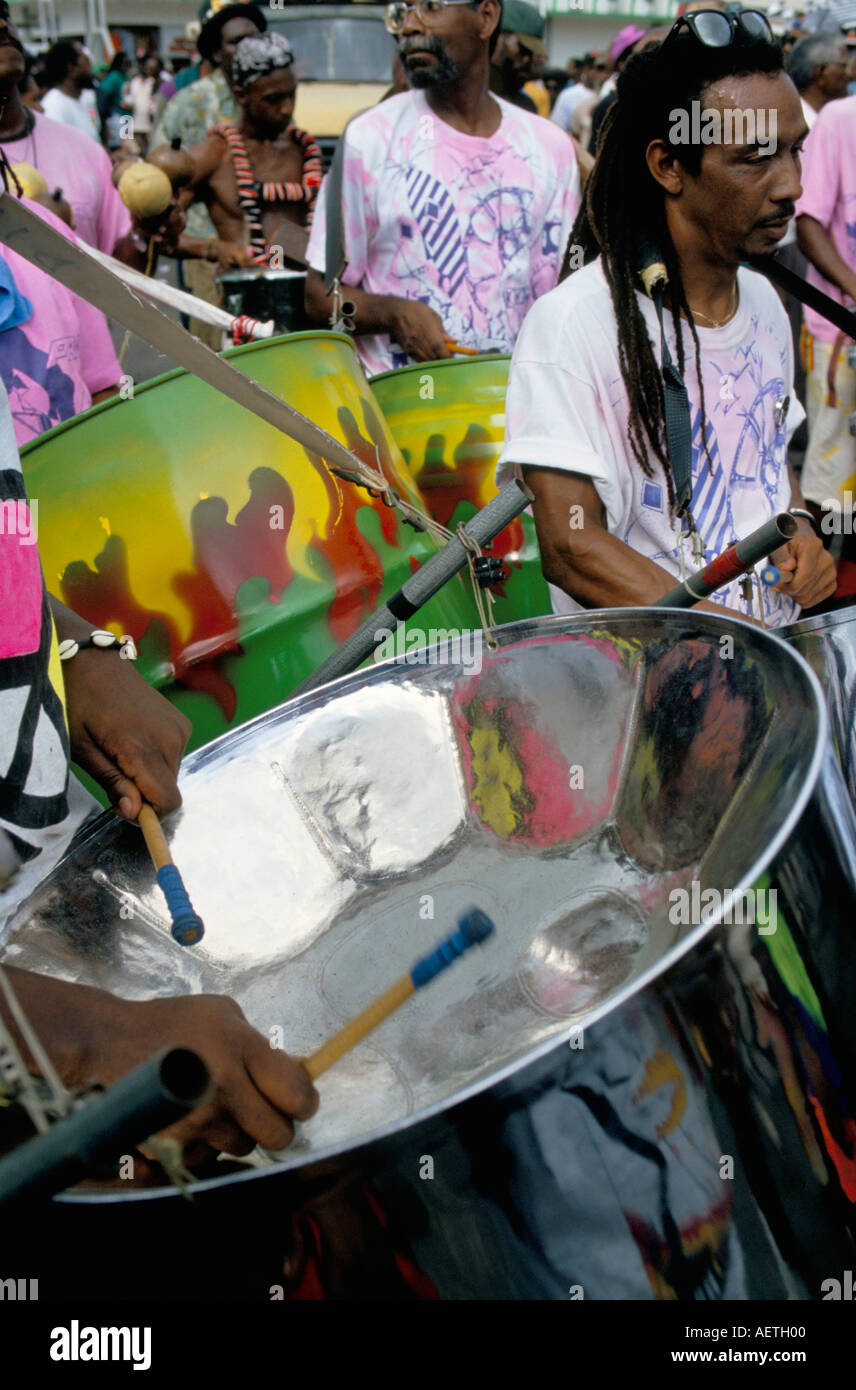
{"x":489,"y":203}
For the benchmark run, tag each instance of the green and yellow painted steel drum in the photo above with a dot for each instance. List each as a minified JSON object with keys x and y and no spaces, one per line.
{"x":231,"y":554}
{"x":448,"y":420}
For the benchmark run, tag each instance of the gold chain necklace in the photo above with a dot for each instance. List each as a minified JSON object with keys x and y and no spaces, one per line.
{"x":718,"y":323}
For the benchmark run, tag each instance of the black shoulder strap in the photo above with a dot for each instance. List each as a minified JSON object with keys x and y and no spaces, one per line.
{"x":794,"y":284}
{"x":335,"y":256}
{"x":678,"y":419}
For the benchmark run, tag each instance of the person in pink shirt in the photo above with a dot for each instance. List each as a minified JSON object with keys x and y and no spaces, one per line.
{"x":56,"y":353}
{"x":457,"y":205}
{"x":67,"y":158}
{"x":826,"y":228}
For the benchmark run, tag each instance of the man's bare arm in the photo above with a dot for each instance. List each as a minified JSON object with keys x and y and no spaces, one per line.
{"x":818,"y":247}
{"x":413,"y":325}
{"x":591,"y":566}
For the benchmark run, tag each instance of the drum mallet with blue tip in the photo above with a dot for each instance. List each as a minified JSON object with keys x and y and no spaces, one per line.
{"x":187,"y":925}
{"x":473,"y":928}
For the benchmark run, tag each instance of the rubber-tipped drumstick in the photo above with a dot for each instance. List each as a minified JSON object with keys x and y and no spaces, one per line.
{"x":738,"y":559}
{"x":459,"y":348}
{"x":473,"y":928}
{"x":187,"y":925}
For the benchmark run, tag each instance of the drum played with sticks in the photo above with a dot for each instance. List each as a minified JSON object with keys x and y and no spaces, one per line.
{"x":267,"y":295}
{"x":828,"y":643}
{"x":448,"y":419}
{"x":233,"y":556}
{"x":641,"y":1087}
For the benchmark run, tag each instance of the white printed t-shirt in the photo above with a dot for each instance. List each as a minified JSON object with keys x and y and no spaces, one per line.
{"x":475,"y":227}
{"x":79,"y":113}
{"x":567,"y":409}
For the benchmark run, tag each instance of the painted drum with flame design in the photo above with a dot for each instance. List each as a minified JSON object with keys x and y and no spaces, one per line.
{"x":448,"y":420}
{"x":231,"y":554}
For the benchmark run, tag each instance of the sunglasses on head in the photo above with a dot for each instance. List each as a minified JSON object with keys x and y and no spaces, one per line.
{"x":714,"y":29}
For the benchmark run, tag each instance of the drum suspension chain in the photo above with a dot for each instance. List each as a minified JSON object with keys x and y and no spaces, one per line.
{"x":377,"y":486}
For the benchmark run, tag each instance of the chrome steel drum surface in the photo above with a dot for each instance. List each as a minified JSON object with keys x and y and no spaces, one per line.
{"x":588,"y":768}
{"x":828,"y":644}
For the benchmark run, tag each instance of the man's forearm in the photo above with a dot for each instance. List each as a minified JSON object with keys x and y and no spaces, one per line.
{"x":374,"y":312}
{"x":67,"y":1019}
{"x":603,"y":572}
{"x":591,"y":566}
{"x":817,"y":246}
{"x":196,"y":248}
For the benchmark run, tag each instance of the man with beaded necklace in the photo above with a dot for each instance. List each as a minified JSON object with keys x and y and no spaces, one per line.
{"x":262,"y":170}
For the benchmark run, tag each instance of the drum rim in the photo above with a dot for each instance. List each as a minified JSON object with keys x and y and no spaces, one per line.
{"x":116,"y":401}
{"x":441,"y":362}
{"x":821,"y":622}
{"x":529,"y":628}
{"x":261,"y":272}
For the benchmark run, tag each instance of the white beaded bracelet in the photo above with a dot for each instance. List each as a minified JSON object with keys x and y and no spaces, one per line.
{"x":99,"y":638}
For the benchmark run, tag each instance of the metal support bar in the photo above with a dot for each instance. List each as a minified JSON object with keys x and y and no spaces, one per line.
{"x":738,"y":559}
{"x":424,"y":584}
{"x":147,"y":1100}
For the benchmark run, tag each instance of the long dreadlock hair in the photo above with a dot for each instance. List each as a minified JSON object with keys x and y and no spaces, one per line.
{"x":625,"y":206}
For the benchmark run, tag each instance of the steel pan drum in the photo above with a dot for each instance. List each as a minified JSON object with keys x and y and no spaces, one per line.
{"x":615,"y":1094}
{"x":267,"y":294}
{"x":828,"y":644}
{"x":448,"y":419}
{"x":233,"y":556}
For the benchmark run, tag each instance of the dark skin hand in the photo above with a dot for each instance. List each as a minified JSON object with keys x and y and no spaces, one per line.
{"x":229,"y":254}
{"x":90,"y":1034}
{"x":122,"y":732}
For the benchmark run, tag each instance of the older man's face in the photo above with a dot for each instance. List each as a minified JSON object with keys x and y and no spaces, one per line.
{"x":230,"y":36}
{"x":834,"y":76}
{"x":456,"y":40}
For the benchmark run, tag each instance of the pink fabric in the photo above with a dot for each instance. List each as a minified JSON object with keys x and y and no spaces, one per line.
{"x":829,"y":195}
{"x":474,"y":227}
{"x":71,"y":161}
{"x":20,"y":578}
{"x":53,"y":364}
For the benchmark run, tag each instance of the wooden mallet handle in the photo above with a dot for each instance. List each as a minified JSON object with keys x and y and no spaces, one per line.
{"x":473,"y":928}
{"x":187,"y":925}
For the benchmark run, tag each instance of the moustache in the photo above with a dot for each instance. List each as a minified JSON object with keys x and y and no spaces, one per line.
{"x":788,"y":210}
{"x":416,"y":43}
{"x":11,"y":41}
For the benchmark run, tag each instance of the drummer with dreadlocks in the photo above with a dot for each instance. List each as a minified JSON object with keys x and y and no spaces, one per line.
{"x":262,"y":171}
{"x":698,"y":170}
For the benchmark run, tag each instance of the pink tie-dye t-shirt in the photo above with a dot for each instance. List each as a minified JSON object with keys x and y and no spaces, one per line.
{"x":54,"y":362}
{"x":70,"y":160}
{"x":829,"y":196}
{"x":474,"y":227}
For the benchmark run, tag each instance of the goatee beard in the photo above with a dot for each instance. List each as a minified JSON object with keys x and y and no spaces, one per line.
{"x":442,"y":73}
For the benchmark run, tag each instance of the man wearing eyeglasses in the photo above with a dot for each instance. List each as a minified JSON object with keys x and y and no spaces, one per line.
{"x":456,"y":205}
